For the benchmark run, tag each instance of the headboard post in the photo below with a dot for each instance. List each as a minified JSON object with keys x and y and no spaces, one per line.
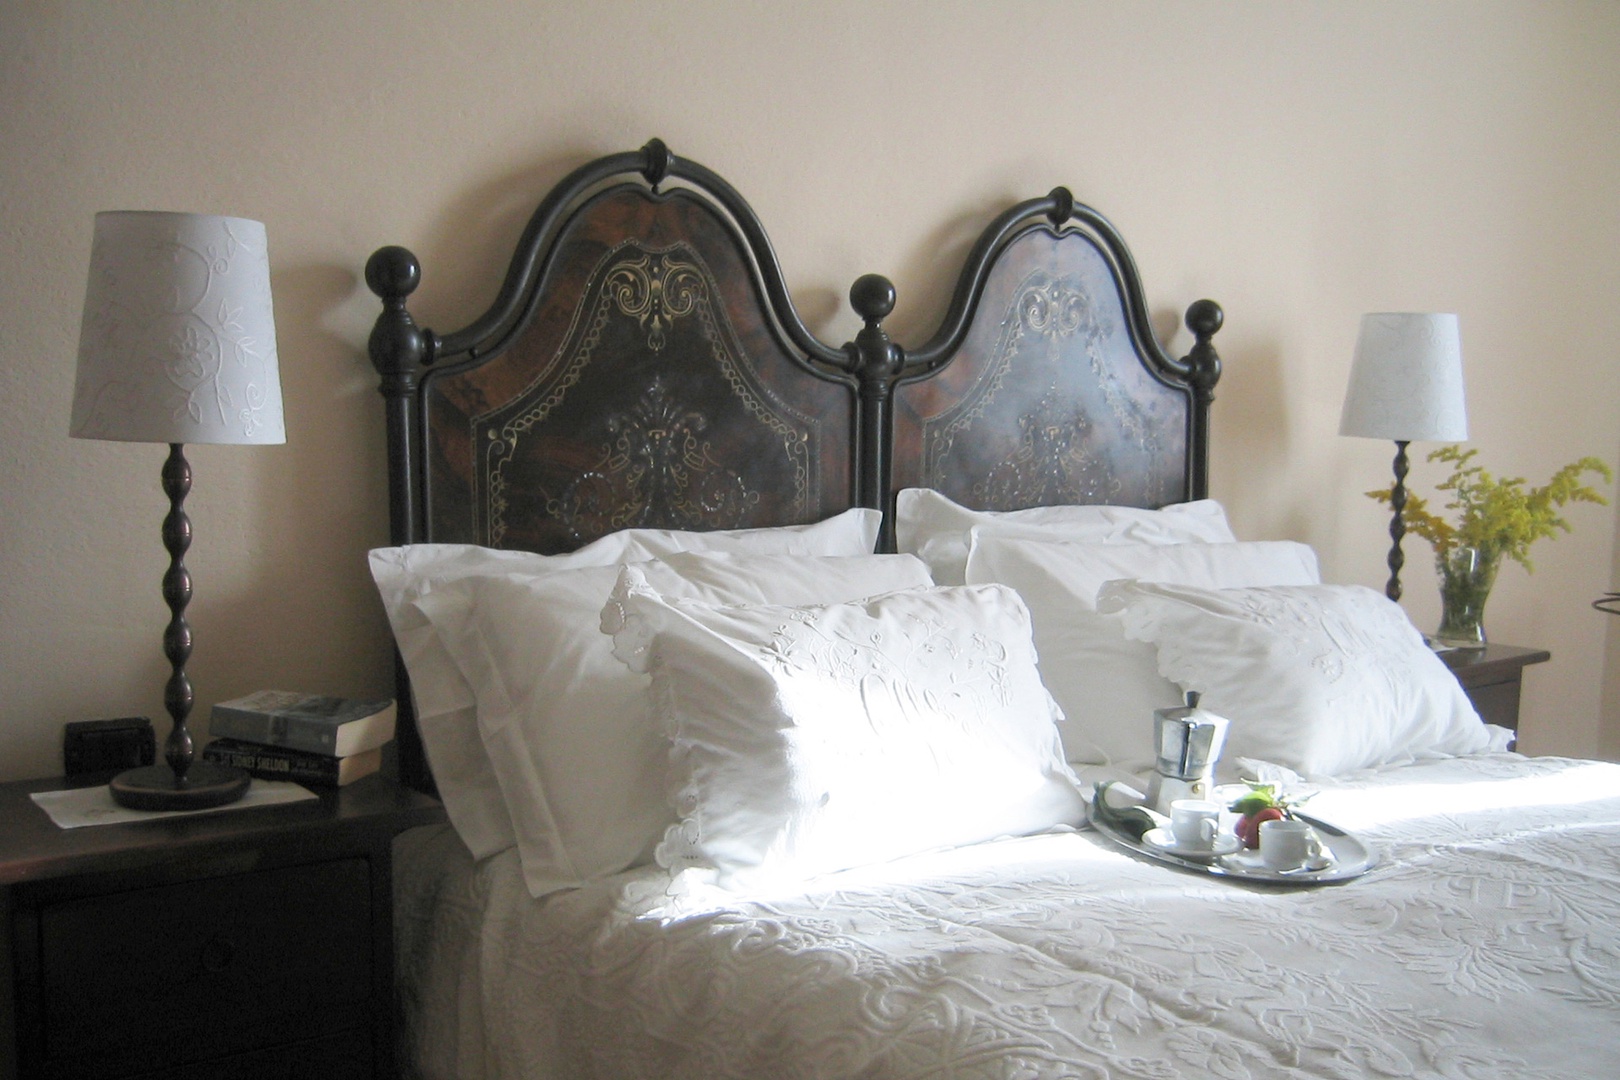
{"x":400,"y":351}
{"x":1204,"y":319}
{"x":878,"y":363}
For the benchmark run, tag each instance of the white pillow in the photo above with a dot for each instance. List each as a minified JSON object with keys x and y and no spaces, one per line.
{"x":931,"y":526}
{"x":581,"y":768}
{"x":811,"y":739}
{"x":1107,"y":685}
{"x":1324,"y":679}
{"x":444,"y":702}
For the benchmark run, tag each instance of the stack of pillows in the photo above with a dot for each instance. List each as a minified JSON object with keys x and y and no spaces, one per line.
{"x":773,"y":704}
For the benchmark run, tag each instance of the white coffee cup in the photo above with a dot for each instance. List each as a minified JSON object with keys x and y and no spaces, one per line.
{"x":1288,"y":844}
{"x":1195,"y":823}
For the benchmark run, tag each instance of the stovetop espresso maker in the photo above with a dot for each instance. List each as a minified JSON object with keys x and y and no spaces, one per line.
{"x":1188,"y":743}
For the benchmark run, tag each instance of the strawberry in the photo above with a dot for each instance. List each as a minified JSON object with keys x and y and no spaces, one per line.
{"x":1261,"y":803}
{"x":1248,"y":826}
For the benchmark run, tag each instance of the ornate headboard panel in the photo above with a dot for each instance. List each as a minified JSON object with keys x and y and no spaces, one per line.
{"x":1046,"y":385}
{"x":642,"y":367}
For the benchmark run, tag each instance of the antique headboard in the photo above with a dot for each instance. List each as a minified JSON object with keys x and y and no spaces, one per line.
{"x":643,"y":365}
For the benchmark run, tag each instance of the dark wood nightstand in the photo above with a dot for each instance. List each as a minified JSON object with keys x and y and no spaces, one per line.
{"x":1492,"y":677}
{"x":250,"y":944}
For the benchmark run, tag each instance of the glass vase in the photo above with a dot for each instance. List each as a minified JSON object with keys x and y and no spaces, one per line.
{"x":1466,"y":577}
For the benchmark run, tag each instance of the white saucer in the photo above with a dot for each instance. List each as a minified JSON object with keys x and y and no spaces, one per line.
{"x":1251,"y":862}
{"x":1164,"y":840}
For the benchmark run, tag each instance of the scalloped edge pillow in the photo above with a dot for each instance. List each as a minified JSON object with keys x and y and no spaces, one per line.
{"x":1324,"y":679}
{"x":812,"y":739}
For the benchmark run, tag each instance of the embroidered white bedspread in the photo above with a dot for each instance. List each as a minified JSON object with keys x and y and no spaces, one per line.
{"x":1485,"y":944}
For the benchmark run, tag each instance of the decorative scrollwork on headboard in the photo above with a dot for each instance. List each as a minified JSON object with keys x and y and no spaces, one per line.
{"x":658,"y":470}
{"x":1042,"y":395}
{"x":656,"y":290}
{"x":643,"y":455}
{"x":1049,"y":319}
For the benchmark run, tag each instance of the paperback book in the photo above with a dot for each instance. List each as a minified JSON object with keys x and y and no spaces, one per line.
{"x":334,"y":726}
{"x":279,"y":763}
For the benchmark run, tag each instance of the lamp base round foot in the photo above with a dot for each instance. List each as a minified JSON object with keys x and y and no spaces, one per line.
{"x":153,"y":787}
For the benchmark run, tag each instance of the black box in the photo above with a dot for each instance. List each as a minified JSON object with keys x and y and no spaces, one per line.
{"x":93,"y":746}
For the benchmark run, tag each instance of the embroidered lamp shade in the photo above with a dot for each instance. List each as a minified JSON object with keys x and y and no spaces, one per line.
{"x":1406,"y":381}
{"x":178,"y":341}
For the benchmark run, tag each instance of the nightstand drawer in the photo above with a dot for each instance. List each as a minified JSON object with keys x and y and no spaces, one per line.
{"x":244,"y":953}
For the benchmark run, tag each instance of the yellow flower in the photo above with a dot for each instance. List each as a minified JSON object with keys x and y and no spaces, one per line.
{"x":1498,"y":517}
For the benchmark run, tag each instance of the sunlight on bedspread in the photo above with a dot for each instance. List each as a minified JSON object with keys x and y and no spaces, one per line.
{"x":1486,"y":944}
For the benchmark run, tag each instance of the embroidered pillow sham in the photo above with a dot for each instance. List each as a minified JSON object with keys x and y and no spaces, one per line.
{"x":812,"y":739}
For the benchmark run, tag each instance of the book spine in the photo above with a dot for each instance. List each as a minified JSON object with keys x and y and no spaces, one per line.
{"x":273,"y":729}
{"x":271,"y":764}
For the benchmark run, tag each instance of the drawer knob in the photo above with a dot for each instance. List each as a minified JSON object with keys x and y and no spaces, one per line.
{"x":217,"y":955}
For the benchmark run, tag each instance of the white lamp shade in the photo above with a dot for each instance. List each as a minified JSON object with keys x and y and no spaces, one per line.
{"x":178,"y":342}
{"x":1406,"y":383}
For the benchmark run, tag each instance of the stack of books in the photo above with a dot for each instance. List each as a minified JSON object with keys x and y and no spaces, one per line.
{"x":306,"y":738}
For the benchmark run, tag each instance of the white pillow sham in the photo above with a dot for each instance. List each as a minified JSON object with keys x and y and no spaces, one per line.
{"x":811,"y":739}
{"x":1324,"y":679}
{"x":443,"y":701}
{"x":1106,"y":684}
{"x":581,"y":768}
{"x":934,"y":528}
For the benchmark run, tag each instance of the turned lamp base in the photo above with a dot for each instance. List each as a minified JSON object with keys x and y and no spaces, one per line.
{"x":182,"y":783}
{"x":153,"y":787}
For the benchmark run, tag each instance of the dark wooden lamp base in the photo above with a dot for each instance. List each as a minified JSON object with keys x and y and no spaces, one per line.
{"x":183,"y":783}
{"x":154,"y":787}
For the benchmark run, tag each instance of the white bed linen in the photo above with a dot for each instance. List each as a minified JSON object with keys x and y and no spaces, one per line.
{"x":1486,"y":944}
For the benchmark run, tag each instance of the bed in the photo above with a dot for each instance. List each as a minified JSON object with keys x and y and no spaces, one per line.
{"x":766,"y":682}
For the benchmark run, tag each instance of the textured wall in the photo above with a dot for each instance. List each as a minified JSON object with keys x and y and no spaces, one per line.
{"x":1300,"y":162}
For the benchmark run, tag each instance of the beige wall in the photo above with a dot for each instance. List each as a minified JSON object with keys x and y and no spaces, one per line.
{"x":1300,"y":162}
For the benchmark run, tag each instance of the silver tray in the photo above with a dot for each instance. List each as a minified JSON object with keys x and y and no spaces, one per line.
{"x":1351,"y":857}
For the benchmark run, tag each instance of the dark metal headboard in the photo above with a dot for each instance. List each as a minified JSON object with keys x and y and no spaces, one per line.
{"x":1045,"y":385}
{"x":644,"y":366}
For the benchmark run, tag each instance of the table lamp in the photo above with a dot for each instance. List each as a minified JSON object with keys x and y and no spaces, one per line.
{"x":1405,"y":384}
{"x":178,"y":345}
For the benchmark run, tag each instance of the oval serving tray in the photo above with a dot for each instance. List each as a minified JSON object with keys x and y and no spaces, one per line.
{"x":1351,"y":857}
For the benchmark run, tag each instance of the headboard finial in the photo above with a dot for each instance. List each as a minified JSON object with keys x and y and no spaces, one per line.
{"x":393,"y":272}
{"x":397,"y":346}
{"x":872,"y":297}
{"x":657,"y":162}
{"x":1204,"y":319}
{"x":1062,"y":206}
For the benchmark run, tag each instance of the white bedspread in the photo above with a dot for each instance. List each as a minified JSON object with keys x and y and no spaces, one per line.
{"x":1485,"y":944}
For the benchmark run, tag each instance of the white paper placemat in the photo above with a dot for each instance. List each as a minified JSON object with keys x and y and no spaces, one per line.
{"x":77,"y":807}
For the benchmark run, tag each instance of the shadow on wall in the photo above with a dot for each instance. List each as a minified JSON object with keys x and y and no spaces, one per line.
{"x":1250,"y":431}
{"x":1609,"y":718}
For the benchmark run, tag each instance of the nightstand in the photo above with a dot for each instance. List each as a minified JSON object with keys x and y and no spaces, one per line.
{"x":1492,"y":677}
{"x":249,"y":943}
